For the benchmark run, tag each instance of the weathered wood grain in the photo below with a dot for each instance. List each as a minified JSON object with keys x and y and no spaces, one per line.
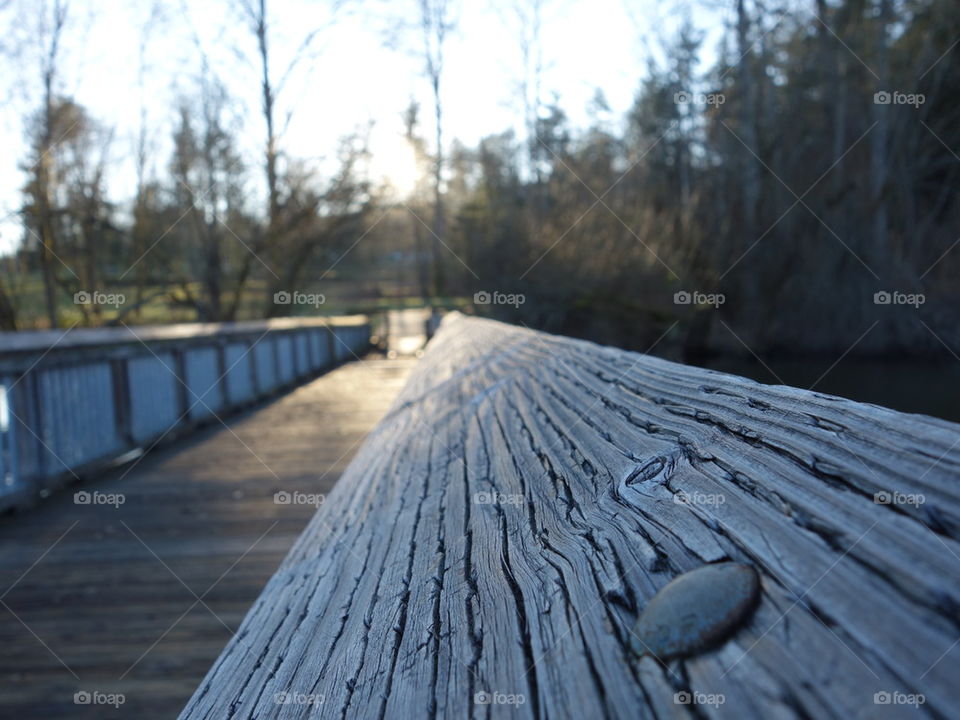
{"x":527,"y":495}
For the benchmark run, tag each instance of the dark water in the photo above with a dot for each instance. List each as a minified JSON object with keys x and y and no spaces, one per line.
{"x":913,"y":386}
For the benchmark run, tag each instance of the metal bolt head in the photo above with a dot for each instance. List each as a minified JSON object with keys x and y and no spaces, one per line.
{"x":696,"y":610}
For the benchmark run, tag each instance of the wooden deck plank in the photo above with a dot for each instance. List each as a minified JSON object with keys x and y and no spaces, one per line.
{"x":501,"y":529}
{"x":100,"y":598}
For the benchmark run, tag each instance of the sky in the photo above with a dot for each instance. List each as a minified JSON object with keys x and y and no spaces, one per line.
{"x":366,"y":71}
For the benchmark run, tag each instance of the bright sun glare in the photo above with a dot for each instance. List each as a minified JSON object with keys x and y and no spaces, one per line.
{"x":393,"y":163}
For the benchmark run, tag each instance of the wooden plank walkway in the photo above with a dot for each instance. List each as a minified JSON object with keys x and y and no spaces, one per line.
{"x":140,"y":599}
{"x":489,"y":551}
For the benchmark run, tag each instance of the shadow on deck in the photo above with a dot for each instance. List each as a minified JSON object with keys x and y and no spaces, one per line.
{"x":140,"y":598}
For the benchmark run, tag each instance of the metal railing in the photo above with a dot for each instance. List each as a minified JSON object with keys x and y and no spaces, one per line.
{"x":73,"y":401}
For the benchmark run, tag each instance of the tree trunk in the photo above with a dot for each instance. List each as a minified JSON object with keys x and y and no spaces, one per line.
{"x":439,"y":219}
{"x":878,"y":141}
{"x":751,"y":187}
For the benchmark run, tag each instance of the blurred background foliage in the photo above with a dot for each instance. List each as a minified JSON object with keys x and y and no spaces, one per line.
{"x":775,"y":176}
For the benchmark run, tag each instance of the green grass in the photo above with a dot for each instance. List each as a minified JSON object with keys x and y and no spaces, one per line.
{"x":28,"y":299}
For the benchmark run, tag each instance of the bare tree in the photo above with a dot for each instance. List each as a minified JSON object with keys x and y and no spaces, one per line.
{"x":8,"y":309}
{"x":418,"y":143}
{"x":748,"y":119}
{"x":48,"y":37}
{"x":256,"y":14}
{"x":258,"y":17}
{"x":878,"y":145}
{"x":86,"y":222}
{"x":436,"y":24}
{"x":142,"y":156}
{"x":529,"y":18}
{"x":201,"y":211}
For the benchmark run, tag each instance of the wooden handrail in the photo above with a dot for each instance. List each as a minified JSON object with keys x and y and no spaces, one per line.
{"x":490,"y":549}
{"x":40,"y":341}
{"x":73,"y":401}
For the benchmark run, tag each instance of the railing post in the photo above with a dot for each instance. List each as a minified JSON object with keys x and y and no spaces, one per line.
{"x":331,"y":346}
{"x":122,"y":411}
{"x":298,"y":370}
{"x":8,"y":445}
{"x":221,"y":348}
{"x":252,"y":354}
{"x":35,"y":420}
{"x":275,"y":346}
{"x":183,"y":391}
{"x":312,"y":359}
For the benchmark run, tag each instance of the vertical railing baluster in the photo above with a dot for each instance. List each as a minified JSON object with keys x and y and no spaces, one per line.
{"x":122,"y":409}
{"x":331,"y":347}
{"x":35,"y":420}
{"x":180,"y":367}
{"x":252,"y":354}
{"x":274,"y":341}
{"x":221,"y":348}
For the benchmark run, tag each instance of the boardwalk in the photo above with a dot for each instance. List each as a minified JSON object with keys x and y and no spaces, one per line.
{"x":140,"y":599}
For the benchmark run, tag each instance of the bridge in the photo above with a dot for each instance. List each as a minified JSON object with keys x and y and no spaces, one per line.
{"x":136,"y":590}
{"x":522,"y":525}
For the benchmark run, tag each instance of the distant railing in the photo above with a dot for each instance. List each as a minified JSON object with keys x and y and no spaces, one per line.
{"x":71,"y":401}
